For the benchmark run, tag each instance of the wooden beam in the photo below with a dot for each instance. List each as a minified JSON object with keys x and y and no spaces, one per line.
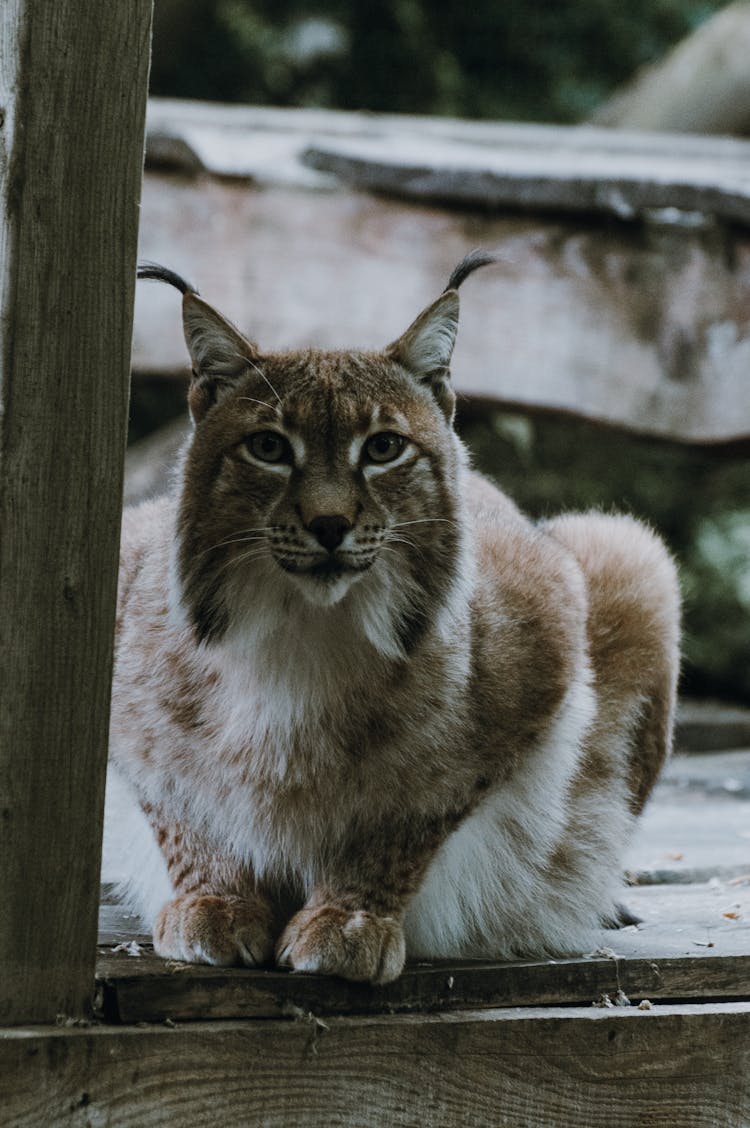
{"x":146,"y":989}
{"x":577,"y":1068}
{"x":73,"y":81}
{"x":643,"y":325}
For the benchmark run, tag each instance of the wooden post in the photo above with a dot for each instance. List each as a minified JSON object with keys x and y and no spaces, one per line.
{"x":73,"y":84}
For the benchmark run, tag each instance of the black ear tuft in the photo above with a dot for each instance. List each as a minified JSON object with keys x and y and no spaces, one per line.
{"x":468,"y":265}
{"x":153,"y":272}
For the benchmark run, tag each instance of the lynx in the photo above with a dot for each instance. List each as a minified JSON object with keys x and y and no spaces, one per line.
{"x":363,"y":708}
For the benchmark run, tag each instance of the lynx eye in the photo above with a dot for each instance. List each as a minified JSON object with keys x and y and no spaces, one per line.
{"x":384,"y":447}
{"x":268,"y":446}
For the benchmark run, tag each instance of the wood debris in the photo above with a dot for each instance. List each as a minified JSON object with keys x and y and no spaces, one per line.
{"x":602,"y":954}
{"x":619,"y":1000}
{"x":129,"y":947}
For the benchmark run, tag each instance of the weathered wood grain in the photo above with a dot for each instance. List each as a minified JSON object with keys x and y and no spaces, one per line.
{"x":73,"y":79}
{"x":544,"y":163}
{"x":670,"y":1067}
{"x":686,"y":948}
{"x":143,"y":989}
{"x":573,"y":177}
{"x":642,"y":325}
{"x":690,"y":836}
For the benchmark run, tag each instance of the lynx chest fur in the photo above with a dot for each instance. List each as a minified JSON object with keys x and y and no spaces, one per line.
{"x":362,"y":707}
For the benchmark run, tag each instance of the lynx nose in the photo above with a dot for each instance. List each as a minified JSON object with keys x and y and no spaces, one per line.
{"x":329,"y":531}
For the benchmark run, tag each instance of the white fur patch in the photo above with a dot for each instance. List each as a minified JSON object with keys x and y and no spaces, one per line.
{"x":489,"y":891}
{"x":130,"y":855}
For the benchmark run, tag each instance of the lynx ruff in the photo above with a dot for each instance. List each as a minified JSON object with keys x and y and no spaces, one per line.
{"x":363,"y":708}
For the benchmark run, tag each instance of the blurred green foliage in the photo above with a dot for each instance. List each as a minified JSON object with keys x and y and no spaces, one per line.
{"x":520,"y":59}
{"x":698,"y":500}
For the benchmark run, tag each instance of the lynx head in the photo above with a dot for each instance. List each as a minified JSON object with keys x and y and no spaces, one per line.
{"x":322,"y":477}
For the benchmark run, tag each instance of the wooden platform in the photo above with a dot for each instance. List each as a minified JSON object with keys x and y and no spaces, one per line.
{"x":650,"y":1028}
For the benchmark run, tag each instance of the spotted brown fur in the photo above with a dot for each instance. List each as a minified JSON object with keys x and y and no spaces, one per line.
{"x":368,"y":708}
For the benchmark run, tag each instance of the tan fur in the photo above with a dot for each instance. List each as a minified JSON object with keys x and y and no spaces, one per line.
{"x":429,"y":737}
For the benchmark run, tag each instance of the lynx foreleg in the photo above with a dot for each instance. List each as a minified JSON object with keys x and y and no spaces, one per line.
{"x":352,"y":923}
{"x":218,"y":915}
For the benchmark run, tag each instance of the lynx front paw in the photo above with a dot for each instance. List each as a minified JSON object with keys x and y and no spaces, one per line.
{"x":203,"y":928}
{"x":333,"y":941}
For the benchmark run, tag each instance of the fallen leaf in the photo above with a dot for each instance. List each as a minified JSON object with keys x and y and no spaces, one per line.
{"x":733,"y":915}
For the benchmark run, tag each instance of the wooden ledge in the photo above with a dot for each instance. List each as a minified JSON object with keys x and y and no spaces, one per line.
{"x":572,"y":170}
{"x":683,"y":1065}
{"x":490,"y":164}
{"x":686,"y":948}
{"x":148,"y":989}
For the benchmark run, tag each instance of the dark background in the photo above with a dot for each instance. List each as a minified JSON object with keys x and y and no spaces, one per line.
{"x":519,"y":59}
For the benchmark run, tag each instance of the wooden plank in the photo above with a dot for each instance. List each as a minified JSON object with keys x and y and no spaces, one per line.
{"x":672,"y":1065}
{"x":118,"y":926}
{"x":708,"y":726}
{"x":686,"y":948}
{"x":545,"y":163}
{"x":143,"y":989}
{"x":643,"y":326}
{"x":571,"y":178}
{"x":691,"y":836}
{"x":73,"y":79}
{"x":717,"y":776}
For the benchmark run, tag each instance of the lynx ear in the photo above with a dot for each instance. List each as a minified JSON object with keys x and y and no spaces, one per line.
{"x":218,"y":351}
{"x":425,"y":349}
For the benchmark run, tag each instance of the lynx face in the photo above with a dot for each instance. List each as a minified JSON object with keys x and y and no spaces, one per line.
{"x":318,"y":472}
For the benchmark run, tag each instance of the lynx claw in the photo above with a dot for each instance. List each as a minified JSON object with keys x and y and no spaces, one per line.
{"x":224,"y":931}
{"x":332,"y":941}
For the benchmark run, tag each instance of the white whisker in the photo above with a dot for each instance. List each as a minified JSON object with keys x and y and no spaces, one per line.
{"x":423,"y":521}
{"x":263,"y":377}
{"x":255,"y":554}
{"x":408,"y":543}
{"x":239,"y":537}
{"x":250,"y":399}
